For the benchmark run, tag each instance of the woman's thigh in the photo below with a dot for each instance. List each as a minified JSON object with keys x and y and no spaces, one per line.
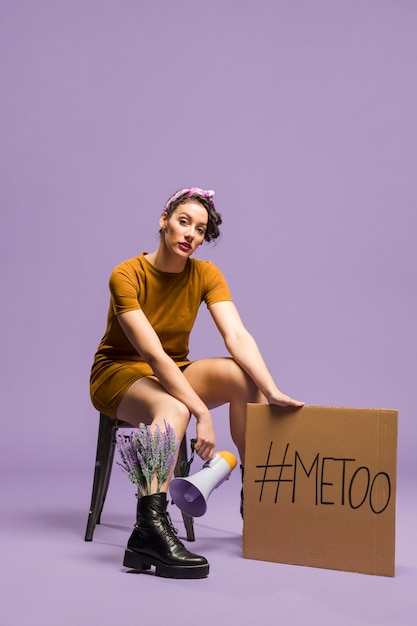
{"x":146,"y":401}
{"x":221,"y":380}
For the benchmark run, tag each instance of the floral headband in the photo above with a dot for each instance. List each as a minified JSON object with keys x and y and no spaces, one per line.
{"x":186,"y":193}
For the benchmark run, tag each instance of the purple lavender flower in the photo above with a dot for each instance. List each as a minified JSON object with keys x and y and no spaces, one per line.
{"x":146,"y":454}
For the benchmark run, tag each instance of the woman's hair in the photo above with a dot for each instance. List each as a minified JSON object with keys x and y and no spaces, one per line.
{"x":205,"y":198}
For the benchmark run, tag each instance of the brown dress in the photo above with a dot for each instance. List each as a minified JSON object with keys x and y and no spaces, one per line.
{"x":170,"y":303}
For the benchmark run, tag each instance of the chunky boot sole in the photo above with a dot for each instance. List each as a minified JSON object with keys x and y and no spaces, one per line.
{"x":142,"y":562}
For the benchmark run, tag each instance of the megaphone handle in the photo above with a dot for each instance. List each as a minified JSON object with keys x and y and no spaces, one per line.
{"x":186,"y":471}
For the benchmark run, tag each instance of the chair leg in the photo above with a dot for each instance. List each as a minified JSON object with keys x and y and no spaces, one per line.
{"x":107,"y":473}
{"x":102,"y":472}
{"x":178,"y":471}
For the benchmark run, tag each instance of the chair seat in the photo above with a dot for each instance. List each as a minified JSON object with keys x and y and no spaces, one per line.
{"x":106,"y":443}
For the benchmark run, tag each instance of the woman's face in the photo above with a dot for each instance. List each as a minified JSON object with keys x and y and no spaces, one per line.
{"x":185,"y":228}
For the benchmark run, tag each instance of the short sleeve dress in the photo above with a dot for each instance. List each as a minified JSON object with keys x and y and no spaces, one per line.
{"x":170,"y":303}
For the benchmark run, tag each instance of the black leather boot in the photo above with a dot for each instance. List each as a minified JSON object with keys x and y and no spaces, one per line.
{"x":154,"y":542}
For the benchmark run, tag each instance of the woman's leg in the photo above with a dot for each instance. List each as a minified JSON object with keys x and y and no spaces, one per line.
{"x":154,"y":540}
{"x":147,"y":402}
{"x":219,"y":381}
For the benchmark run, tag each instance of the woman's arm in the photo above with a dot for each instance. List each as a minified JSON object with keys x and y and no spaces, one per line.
{"x":144,"y":339}
{"x":243,"y":348}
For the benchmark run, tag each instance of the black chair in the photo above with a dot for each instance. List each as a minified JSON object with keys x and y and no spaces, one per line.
{"x":106,"y":443}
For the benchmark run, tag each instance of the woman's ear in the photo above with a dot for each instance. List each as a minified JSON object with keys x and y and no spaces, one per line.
{"x":163,"y":221}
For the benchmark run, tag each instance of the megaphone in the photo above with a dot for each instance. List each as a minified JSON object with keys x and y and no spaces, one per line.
{"x":191,"y":494}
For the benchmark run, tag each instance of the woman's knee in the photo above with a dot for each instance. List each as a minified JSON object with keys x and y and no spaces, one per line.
{"x":146,"y":401}
{"x":174,"y":412}
{"x":222,"y":380}
{"x":246,"y":388}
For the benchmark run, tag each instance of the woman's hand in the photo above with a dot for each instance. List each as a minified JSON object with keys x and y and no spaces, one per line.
{"x":206,"y":441}
{"x":281,"y":399}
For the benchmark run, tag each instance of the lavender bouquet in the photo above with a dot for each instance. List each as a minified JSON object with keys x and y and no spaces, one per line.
{"x":146,"y":454}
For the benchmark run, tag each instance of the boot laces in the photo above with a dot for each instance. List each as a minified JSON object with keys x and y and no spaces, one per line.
{"x":170,"y":525}
{"x":171,"y":533}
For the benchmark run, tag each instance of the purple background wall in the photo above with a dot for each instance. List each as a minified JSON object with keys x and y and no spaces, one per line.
{"x":301,"y":115}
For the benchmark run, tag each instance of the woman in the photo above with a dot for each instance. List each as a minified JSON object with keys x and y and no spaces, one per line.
{"x":142,"y":374}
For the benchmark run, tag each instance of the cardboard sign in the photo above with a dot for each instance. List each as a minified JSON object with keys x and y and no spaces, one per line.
{"x":320,"y":487}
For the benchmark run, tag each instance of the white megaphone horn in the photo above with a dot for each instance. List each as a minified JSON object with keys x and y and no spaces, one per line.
{"x":190,"y":494}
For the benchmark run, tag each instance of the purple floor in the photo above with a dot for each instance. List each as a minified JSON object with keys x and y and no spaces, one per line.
{"x":51,"y":577}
